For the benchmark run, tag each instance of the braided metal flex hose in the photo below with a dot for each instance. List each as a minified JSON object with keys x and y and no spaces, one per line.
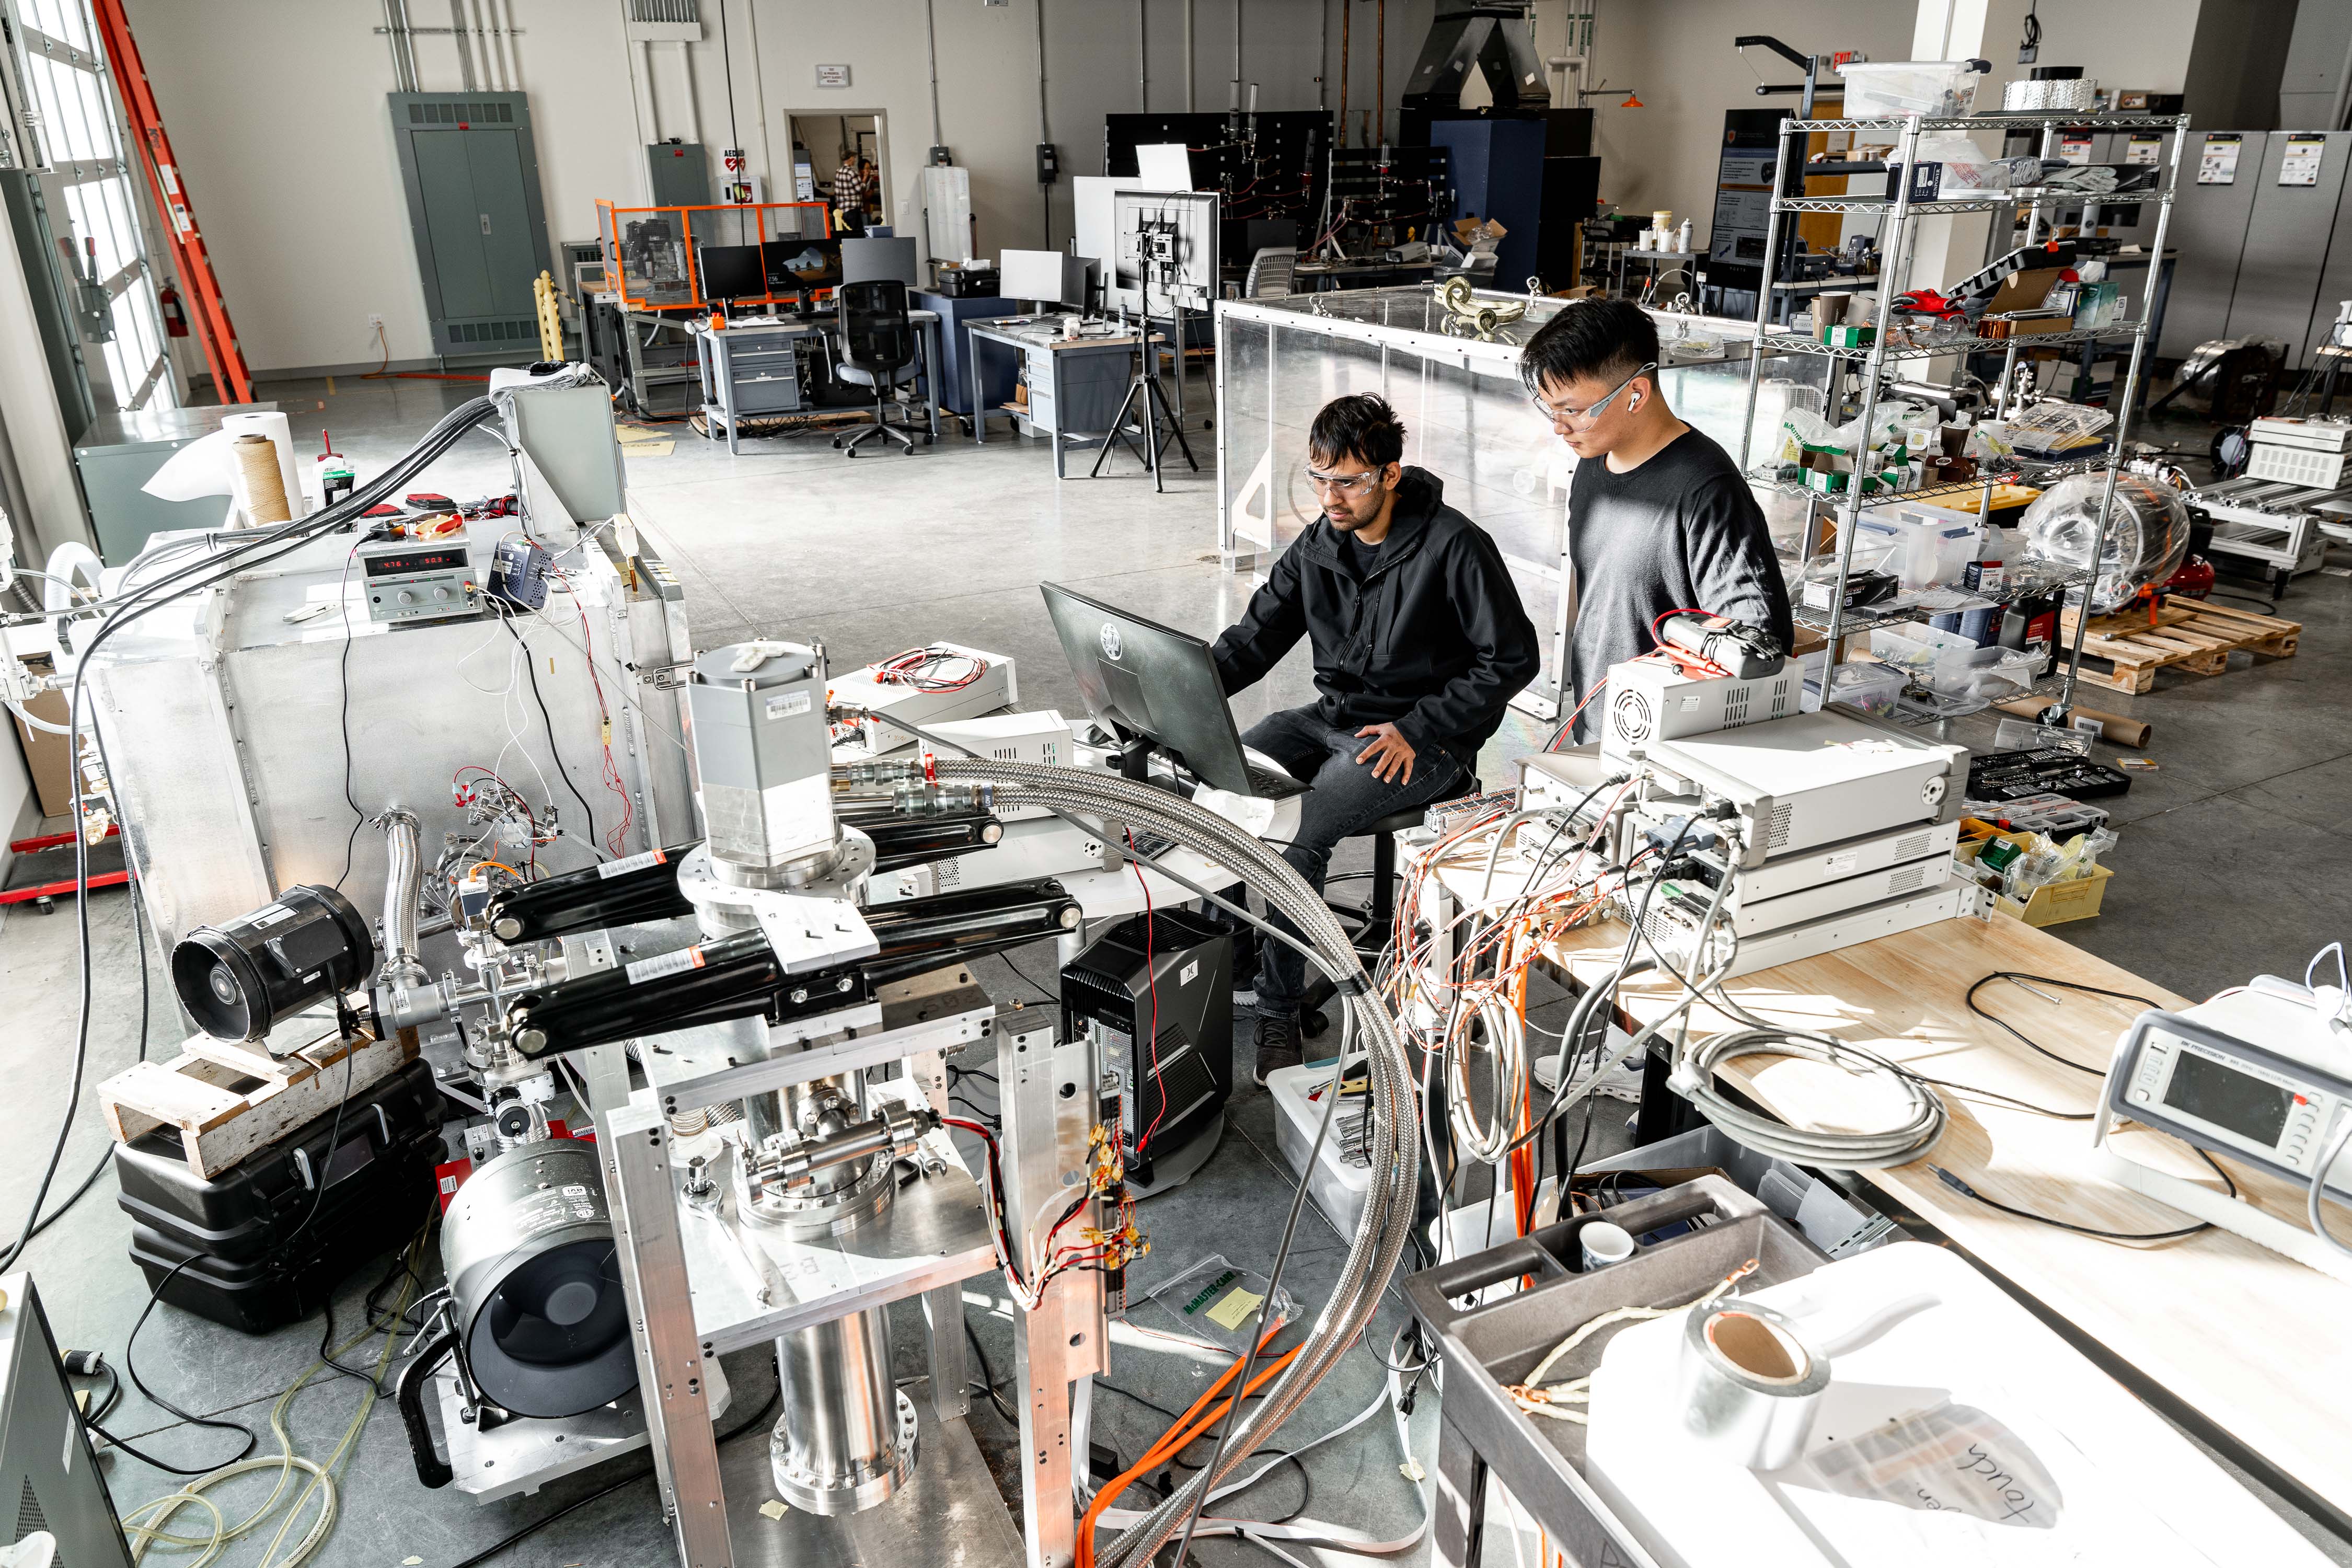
{"x":1394,"y":1105}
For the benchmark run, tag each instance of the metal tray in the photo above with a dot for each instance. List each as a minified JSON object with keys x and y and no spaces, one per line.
{"x":1487,"y":1348}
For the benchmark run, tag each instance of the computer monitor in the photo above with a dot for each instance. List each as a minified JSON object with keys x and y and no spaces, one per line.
{"x":1050,"y":277}
{"x":731,"y":272}
{"x":882,"y":261}
{"x":795,"y":266}
{"x":1153,"y":685}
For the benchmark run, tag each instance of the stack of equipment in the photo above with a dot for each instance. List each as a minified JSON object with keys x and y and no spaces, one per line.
{"x":262,"y":1244}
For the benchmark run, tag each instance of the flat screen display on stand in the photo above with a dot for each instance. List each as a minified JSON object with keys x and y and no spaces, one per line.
{"x":731,"y":272}
{"x":1048,"y":277}
{"x":1165,"y":247}
{"x":798,"y":266}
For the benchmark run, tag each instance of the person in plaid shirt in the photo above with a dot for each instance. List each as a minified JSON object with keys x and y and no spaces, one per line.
{"x":853,"y":186}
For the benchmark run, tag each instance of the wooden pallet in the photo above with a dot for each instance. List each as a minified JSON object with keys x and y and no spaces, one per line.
{"x":227,"y":1100}
{"x":2193,"y":637}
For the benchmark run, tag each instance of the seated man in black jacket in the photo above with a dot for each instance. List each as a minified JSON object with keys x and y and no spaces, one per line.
{"x":1419,"y":640}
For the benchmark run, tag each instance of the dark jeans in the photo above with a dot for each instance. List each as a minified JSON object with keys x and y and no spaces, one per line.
{"x":1346,"y":800}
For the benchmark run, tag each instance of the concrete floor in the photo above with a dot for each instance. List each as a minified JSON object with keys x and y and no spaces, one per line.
{"x":2231,"y":862}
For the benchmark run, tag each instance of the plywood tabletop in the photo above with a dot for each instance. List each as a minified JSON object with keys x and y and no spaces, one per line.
{"x":2241,"y":1333}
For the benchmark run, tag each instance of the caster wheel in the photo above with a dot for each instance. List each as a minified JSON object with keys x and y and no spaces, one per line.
{"x":909,"y":450}
{"x":46,"y":906}
{"x":852,"y":453}
{"x":836,"y":443}
{"x":1313,"y":1025}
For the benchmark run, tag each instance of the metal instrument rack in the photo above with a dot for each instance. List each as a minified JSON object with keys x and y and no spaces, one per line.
{"x":1896,"y":250}
{"x":699,"y":1284}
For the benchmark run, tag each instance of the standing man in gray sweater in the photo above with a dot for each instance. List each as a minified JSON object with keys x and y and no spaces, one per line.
{"x":1660,"y":518}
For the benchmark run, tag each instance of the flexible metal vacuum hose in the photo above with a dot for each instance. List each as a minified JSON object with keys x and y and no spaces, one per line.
{"x":402,"y":882}
{"x":1381,"y":1238}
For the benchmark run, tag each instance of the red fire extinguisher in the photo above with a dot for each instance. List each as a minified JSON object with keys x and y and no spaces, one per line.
{"x":175,"y":315}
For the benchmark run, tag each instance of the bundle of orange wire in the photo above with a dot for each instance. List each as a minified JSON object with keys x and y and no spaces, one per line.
{"x":1188,"y":1426}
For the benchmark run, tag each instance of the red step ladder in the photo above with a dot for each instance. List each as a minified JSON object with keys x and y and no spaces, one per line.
{"x":210,"y":313}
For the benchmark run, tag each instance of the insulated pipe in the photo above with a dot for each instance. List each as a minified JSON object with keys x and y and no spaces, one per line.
{"x":931,"y":36}
{"x":693,"y":93}
{"x":1190,"y":105}
{"x":1045,"y":127}
{"x":1381,"y":68}
{"x":403,"y":881}
{"x":1347,"y":19}
{"x":457,"y":37}
{"x":1236,"y":86}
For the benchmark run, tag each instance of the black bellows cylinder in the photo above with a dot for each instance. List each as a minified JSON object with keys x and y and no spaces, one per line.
{"x":238,"y":979}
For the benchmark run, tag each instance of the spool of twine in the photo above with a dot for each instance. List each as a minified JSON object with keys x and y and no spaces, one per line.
{"x":264,"y":486}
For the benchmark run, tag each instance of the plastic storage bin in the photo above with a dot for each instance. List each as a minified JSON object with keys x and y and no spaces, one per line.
{"x":1889,"y":90}
{"x":1864,"y":687}
{"x":1340,"y":1187}
{"x":1928,"y":549}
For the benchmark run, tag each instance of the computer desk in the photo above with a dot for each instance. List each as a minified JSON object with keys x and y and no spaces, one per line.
{"x":2225,"y":1337}
{"x":721,"y":376}
{"x":1081,"y":380}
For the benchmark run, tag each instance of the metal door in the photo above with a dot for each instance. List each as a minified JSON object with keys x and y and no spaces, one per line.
{"x":2286,"y":241}
{"x":472,"y":178}
{"x":2209,"y":225}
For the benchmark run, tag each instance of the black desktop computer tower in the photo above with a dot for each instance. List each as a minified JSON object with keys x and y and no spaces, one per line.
{"x":1171,"y":1089}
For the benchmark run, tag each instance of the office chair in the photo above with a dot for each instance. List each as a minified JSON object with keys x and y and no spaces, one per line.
{"x":877,"y":350}
{"x":1272,"y":273}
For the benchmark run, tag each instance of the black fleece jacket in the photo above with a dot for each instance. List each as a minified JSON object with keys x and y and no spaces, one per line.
{"x":1433,"y":638}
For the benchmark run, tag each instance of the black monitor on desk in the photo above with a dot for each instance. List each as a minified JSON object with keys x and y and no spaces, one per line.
{"x":731,"y":272}
{"x":798,"y":266}
{"x":1154,"y":686}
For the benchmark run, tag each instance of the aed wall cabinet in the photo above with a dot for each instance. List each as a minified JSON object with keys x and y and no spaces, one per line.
{"x":472,"y":177}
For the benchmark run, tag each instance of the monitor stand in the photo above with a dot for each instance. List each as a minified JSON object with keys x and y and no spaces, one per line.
{"x":1135,"y":757}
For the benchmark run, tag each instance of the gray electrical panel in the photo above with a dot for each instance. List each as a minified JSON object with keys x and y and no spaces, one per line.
{"x":2209,"y":230}
{"x":678,"y":172}
{"x":472,"y":178}
{"x":2296,"y":197}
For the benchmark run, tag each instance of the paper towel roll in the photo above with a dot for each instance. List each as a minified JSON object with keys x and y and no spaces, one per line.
{"x":281,"y":436}
{"x":202,"y":468}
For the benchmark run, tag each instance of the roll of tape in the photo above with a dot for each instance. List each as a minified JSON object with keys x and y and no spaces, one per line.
{"x":1749,"y":1382}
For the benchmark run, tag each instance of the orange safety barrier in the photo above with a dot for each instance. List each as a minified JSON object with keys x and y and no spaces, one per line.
{"x":653,"y":255}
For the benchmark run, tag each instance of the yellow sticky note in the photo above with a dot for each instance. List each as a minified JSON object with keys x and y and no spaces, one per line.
{"x":773,"y":1509}
{"x":1234,"y":1311}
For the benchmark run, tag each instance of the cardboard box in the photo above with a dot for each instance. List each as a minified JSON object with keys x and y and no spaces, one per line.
{"x":2024,"y":290}
{"x":48,"y":757}
{"x":2032,"y":324}
{"x":2052,"y":903}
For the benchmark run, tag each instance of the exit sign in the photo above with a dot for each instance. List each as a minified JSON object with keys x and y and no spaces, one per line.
{"x":832,"y":76}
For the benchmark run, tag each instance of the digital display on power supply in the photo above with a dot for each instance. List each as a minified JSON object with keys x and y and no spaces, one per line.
{"x":402,"y":563}
{"x":2249,"y":1106}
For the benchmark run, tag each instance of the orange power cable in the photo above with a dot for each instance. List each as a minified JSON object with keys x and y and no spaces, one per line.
{"x":1172,"y":1441}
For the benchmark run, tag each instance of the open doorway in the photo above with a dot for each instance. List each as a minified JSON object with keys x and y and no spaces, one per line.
{"x":842,"y":160}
